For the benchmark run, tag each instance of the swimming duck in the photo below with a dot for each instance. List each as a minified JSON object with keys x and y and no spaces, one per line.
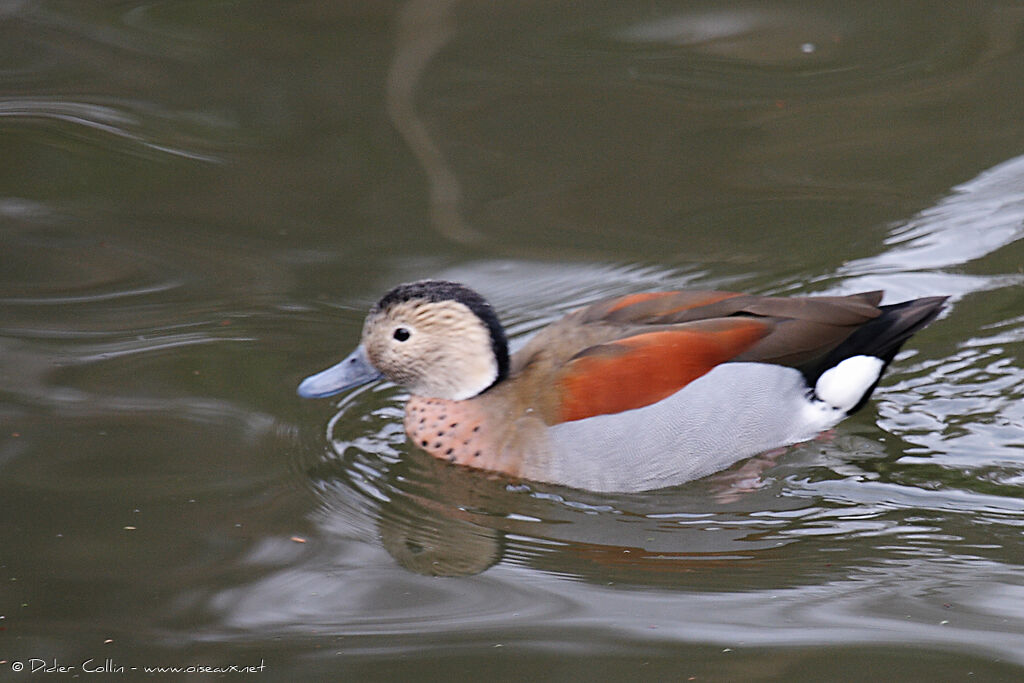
{"x":630,"y":393}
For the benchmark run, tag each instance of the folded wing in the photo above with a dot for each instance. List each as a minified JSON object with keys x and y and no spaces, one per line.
{"x":669,"y":339}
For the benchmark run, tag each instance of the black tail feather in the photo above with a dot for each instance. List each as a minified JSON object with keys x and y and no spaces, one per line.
{"x":881,"y":338}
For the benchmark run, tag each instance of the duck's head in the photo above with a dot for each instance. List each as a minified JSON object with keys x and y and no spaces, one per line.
{"x":436,"y":338}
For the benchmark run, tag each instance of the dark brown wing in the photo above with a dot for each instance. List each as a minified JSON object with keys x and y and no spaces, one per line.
{"x":658,"y":342}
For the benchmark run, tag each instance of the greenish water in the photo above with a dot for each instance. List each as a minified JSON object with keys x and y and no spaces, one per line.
{"x":198,"y":201}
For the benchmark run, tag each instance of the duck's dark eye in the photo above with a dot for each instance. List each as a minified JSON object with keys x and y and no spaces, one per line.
{"x":401,"y":334}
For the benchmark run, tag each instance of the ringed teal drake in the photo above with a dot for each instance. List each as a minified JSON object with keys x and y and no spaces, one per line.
{"x":630,"y":393}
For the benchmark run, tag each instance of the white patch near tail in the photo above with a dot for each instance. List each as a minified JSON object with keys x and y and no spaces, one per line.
{"x":844,"y":385}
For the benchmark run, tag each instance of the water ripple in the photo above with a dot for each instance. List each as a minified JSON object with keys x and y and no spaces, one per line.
{"x":929,"y":602}
{"x":102,"y":118}
{"x":782,"y":51}
{"x":332,"y":593}
{"x":978,"y":218}
{"x":49,"y":262}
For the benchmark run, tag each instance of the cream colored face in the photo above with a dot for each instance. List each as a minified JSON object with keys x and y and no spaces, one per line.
{"x":435,"y":349}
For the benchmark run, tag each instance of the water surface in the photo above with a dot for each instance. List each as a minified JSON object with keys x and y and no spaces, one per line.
{"x":199,"y":200}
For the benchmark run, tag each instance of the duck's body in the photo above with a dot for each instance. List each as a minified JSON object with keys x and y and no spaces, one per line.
{"x":631,"y":393}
